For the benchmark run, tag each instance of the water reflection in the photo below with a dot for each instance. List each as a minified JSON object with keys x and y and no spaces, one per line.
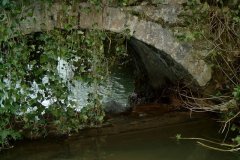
{"x":151,"y":144}
{"x":118,"y":87}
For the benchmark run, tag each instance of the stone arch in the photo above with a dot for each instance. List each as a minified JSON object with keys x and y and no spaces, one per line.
{"x":118,"y":20}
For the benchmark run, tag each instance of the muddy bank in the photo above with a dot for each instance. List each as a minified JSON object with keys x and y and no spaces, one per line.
{"x":141,"y":117}
{"x":134,"y":122}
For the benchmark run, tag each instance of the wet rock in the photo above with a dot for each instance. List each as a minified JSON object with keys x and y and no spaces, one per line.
{"x":151,"y":109}
{"x":115,"y":108}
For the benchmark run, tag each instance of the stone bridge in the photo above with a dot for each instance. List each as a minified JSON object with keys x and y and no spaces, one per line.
{"x":147,"y":24}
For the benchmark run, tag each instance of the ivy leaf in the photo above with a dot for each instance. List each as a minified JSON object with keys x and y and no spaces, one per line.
{"x":237,"y":139}
{"x":43,"y":59}
{"x":205,"y":7}
{"x":80,"y":32}
{"x":5,"y":2}
{"x":236,"y":92}
{"x":233,"y":128}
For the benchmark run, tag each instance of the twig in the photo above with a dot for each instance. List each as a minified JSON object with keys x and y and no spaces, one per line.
{"x":209,"y":141}
{"x":219,"y":149}
{"x":229,"y":120}
{"x":229,"y":147}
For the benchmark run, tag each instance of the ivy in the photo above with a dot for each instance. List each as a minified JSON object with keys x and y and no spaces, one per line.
{"x":236,"y":92}
{"x":37,"y":72}
{"x":35,"y":86}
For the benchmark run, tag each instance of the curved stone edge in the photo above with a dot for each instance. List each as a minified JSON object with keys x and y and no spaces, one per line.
{"x":46,"y":18}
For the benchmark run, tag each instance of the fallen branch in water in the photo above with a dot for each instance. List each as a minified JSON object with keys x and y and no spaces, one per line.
{"x":220,"y":149}
{"x":228,"y":147}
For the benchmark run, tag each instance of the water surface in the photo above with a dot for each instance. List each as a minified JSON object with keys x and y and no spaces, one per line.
{"x":151,"y":144}
{"x":117,"y":87}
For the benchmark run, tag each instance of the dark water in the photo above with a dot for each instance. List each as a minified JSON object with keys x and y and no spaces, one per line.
{"x":153,"y":144}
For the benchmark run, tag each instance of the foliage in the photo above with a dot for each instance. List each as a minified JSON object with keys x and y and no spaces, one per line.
{"x":37,"y":72}
{"x":236,"y":92}
{"x":215,"y":25}
{"x":31,"y":78}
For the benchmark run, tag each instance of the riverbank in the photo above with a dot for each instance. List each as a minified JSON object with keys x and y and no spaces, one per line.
{"x":123,"y":124}
{"x":140,"y":117}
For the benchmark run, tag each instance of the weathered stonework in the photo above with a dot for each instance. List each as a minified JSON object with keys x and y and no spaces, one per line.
{"x":166,"y":13}
{"x":168,"y":1}
{"x":118,"y":20}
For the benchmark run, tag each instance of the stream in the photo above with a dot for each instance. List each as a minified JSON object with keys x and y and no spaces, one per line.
{"x":150,"y":144}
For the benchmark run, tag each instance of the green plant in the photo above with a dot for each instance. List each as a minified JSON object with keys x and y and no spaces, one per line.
{"x":217,"y":26}
{"x":34,"y":95}
{"x":236,"y":92}
{"x":37,"y":71}
{"x":30,"y":78}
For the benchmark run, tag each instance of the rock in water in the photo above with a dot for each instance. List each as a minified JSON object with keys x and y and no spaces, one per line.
{"x":114,"y":108}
